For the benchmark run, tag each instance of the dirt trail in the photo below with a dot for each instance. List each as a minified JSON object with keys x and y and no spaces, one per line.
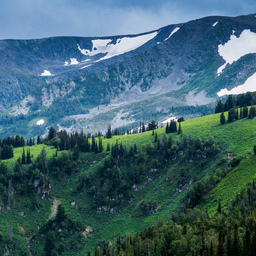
{"x":56,"y":203}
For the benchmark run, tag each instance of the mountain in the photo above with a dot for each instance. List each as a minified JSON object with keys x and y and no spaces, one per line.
{"x":75,"y":82}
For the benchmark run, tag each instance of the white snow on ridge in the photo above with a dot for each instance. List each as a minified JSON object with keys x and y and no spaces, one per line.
{"x":123,"y":45}
{"x":236,"y":48}
{"x":46,"y":73}
{"x":174,"y":31}
{"x":215,"y":23}
{"x":248,"y":86}
{"x":40,"y":122}
{"x":73,"y":61}
{"x":87,"y":66}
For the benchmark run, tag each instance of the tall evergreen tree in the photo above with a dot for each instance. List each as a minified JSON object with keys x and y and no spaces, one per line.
{"x":155,"y":137}
{"x":219,"y":208}
{"x":96,"y":148}
{"x":220,"y":246}
{"x":28,"y":156}
{"x":229,"y":103}
{"x":219,"y":108}
{"x":143,"y":127}
{"x":236,"y":249}
{"x":222,"y":118}
{"x":179,"y":131}
{"x":100,"y":145}
{"x":167,"y":128}
{"x":109,"y":132}
{"x":252,"y":112}
{"x":245,"y":112}
{"x":23,"y":158}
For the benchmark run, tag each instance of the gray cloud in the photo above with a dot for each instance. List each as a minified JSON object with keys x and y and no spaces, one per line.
{"x":45,"y":18}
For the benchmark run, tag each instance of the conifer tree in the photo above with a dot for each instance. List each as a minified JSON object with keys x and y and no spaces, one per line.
{"x":109,"y":132}
{"x":245,"y":112}
{"x":100,"y":145}
{"x":222,"y":118}
{"x":23,"y":159}
{"x":252,"y":112}
{"x":75,"y":152}
{"x":241,"y":113}
{"x":219,"y":208}
{"x":108,"y":147}
{"x":143,"y":127}
{"x":219,"y":108}
{"x":167,"y":128}
{"x":93,"y":143}
{"x":236,"y":242}
{"x":179,"y":131}
{"x":220,"y":246}
{"x":28,"y":156}
{"x":96,"y":148}
{"x":155,"y":137}
{"x":173,"y":126}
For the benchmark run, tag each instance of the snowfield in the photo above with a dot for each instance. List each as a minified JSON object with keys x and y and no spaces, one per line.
{"x":73,"y":61}
{"x":174,"y":31}
{"x":214,"y":24}
{"x":236,"y":48}
{"x":248,"y":86}
{"x":123,"y":45}
{"x":40,"y":122}
{"x":46,"y":73}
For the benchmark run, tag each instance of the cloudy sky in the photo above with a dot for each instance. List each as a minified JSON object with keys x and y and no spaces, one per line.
{"x":25,"y":19}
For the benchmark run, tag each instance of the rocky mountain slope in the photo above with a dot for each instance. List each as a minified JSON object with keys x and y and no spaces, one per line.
{"x":74,"y":82}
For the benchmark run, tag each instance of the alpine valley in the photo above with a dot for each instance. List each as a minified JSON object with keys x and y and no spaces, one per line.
{"x":185,"y":189}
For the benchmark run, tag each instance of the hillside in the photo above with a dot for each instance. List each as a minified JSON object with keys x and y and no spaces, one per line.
{"x":74,"y":82}
{"x":110,"y":194}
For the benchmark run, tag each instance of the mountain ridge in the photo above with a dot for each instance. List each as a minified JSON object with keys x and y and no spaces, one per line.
{"x":176,"y":66}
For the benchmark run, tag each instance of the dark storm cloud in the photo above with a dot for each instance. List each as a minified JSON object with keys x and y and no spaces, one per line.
{"x":44,"y":18}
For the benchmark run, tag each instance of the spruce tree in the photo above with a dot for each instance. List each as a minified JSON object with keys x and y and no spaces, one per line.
{"x":245,"y":112}
{"x":23,"y":161}
{"x":167,"y":128}
{"x":219,"y":208}
{"x":219,"y":108}
{"x":28,"y":156}
{"x":96,"y":148}
{"x":100,"y":145}
{"x":220,"y":246}
{"x":179,"y":131}
{"x":222,"y":119}
{"x":108,"y":147}
{"x":252,"y":112}
{"x":155,"y":137}
{"x":109,"y":132}
{"x":236,"y":243}
{"x":143,"y":127}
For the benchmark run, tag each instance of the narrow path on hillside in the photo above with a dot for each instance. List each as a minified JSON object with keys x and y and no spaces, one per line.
{"x":56,"y":203}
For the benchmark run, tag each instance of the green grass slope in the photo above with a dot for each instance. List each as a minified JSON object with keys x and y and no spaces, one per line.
{"x":165,"y":189}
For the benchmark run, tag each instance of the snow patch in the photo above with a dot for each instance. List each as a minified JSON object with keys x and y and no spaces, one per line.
{"x":87,"y":66}
{"x":73,"y":61}
{"x":168,"y":120}
{"x":248,"y":86}
{"x":123,"y":45}
{"x":46,"y":73}
{"x":236,"y":48}
{"x":174,"y":31}
{"x":40,"y":122}
{"x":214,"y":24}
